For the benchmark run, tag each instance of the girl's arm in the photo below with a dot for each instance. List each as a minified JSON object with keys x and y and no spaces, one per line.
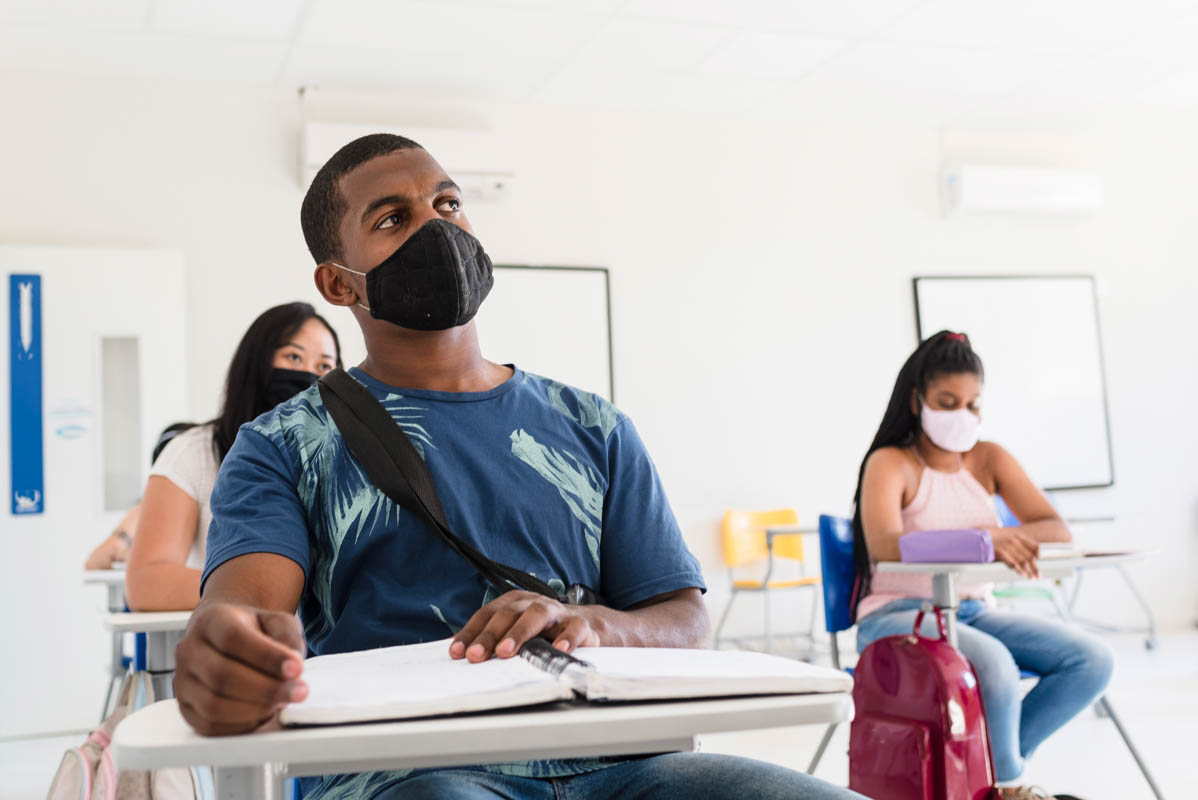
{"x":116,"y":547}
{"x":157,"y":577}
{"x":882,"y":503}
{"x":1037,"y":518}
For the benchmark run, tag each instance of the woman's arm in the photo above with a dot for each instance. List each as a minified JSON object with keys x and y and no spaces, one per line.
{"x":157,"y":578}
{"x":116,"y":547}
{"x":882,"y":503}
{"x":1037,"y":518}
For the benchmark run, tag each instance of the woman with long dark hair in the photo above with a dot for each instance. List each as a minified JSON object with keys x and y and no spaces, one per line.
{"x":926,"y":470}
{"x":284,"y":351}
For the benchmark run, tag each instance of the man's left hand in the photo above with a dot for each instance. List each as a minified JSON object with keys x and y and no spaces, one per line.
{"x":502,"y":626}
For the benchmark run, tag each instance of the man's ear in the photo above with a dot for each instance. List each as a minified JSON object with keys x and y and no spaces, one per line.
{"x":334,"y":286}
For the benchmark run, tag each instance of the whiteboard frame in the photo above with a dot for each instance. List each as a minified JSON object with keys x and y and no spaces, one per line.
{"x":611,"y":361}
{"x":1106,"y":406}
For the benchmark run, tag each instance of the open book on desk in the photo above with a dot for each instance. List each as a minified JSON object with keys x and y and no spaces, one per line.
{"x":421,"y":680}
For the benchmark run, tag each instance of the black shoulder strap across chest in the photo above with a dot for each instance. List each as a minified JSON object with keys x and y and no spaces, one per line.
{"x":396,"y":468}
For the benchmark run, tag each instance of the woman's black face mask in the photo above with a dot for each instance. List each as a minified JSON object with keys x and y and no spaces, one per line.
{"x":434,"y":281}
{"x":285,"y":384}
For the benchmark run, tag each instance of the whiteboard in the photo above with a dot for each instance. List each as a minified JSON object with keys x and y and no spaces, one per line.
{"x":1045,"y":393}
{"x":551,"y":321}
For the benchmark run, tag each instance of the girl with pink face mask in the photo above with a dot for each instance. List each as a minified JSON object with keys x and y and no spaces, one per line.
{"x":927,"y":470}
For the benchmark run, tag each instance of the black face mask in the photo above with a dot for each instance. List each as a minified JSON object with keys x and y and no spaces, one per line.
{"x":285,"y":384}
{"x":436,"y":280}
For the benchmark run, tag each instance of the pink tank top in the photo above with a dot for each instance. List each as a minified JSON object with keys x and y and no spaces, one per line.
{"x":944,"y":501}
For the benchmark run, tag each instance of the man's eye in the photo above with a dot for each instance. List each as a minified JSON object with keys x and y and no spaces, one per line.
{"x":453,"y":204}
{"x":389,"y":221}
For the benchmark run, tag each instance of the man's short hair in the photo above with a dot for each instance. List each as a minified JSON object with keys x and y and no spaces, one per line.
{"x":324,"y":205}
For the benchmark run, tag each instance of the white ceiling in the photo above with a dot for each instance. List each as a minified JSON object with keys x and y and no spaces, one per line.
{"x":945,"y":58}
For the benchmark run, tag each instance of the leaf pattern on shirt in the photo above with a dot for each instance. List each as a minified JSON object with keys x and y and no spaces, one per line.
{"x":340,"y":499}
{"x":593,"y":410}
{"x":576,"y":482}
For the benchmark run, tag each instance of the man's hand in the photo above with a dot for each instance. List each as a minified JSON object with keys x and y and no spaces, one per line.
{"x":507,"y":622}
{"x":236,"y":666}
{"x":1020,"y":551}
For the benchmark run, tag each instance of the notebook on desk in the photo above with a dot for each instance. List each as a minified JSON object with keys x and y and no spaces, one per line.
{"x":422,"y":680}
{"x":1052,"y":550}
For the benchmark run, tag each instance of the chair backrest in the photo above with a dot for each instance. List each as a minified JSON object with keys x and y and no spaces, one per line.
{"x":838,"y":571}
{"x":1006,"y":517}
{"x":744,"y":535}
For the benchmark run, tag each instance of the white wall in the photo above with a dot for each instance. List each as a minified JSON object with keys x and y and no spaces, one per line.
{"x":761,"y":272}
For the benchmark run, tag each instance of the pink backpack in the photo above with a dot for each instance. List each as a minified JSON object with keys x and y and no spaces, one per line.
{"x":87,"y":772}
{"x":919,"y":732}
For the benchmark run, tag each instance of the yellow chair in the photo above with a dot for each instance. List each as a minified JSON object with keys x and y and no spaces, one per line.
{"x":748,"y":537}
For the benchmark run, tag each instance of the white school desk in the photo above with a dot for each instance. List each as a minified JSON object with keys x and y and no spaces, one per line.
{"x":113,"y":580}
{"x":255,"y":765}
{"x":163,"y":629}
{"x":946,"y":576}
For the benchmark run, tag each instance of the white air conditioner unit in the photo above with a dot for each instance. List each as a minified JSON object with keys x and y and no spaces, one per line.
{"x":472,"y":158}
{"x":996,"y":189}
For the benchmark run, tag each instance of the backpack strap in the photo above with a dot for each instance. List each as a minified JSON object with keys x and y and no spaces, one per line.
{"x":391,"y":461}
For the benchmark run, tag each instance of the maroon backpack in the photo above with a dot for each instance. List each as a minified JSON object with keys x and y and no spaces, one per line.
{"x":919,"y":732}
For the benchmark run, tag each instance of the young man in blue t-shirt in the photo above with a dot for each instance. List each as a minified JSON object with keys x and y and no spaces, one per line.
{"x":533,"y":473}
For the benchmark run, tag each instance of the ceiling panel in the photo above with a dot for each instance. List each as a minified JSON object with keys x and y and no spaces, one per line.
{"x":107,"y":15}
{"x":771,"y":55}
{"x":134,"y":55}
{"x":1077,"y":27}
{"x":819,"y":17}
{"x":448,"y":29}
{"x":652,"y":44}
{"x":576,"y":6}
{"x":466,"y":75}
{"x":924,"y":82}
{"x":260,"y":19}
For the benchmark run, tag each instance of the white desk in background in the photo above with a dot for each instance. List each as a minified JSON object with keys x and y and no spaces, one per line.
{"x":163,"y":629}
{"x":113,"y":580}
{"x":946,"y":576}
{"x":946,"y":598}
{"x":255,"y":765}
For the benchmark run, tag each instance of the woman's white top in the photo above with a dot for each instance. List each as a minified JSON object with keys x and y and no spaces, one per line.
{"x":189,"y":462}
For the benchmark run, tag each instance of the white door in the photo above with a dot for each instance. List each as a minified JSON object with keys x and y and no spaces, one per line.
{"x":113,"y":367}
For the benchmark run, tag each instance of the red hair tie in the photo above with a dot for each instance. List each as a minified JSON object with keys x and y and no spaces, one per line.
{"x":960,"y":337}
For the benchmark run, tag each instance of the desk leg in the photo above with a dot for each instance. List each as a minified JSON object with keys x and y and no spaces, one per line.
{"x":944,"y":596}
{"x":265,"y":782}
{"x":160,"y":661}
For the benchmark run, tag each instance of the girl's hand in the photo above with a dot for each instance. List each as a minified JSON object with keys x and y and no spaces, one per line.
{"x":1016,"y":549}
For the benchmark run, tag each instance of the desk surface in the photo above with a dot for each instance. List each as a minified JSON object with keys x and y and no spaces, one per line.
{"x":997,"y":571}
{"x":108,"y":577}
{"x":146,"y":622}
{"x":157,"y":736}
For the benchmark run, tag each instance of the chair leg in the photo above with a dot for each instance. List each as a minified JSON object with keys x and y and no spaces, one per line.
{"x":1106,"y":707}
{"x":814,"y":613}
{"x":723,"y":618}
{"x":823,"y":745}
{"x":769,"y":631}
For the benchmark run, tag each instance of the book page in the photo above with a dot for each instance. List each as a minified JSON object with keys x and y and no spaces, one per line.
{"x":643,"y":673}
{"x":415,"y":680}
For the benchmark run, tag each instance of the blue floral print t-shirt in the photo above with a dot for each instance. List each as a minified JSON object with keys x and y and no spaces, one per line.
{"x":535,"y":474}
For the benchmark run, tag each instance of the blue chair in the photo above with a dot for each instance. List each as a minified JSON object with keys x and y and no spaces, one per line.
{"x":839,"y":572}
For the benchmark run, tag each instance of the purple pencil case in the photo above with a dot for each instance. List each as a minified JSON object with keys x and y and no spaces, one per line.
{"x":968,"y":545}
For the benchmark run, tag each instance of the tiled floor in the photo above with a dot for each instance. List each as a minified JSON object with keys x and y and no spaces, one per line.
{"x":1155,"y":693}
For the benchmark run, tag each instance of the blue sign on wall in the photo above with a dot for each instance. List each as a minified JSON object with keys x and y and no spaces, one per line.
{"x":25,"y":387}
